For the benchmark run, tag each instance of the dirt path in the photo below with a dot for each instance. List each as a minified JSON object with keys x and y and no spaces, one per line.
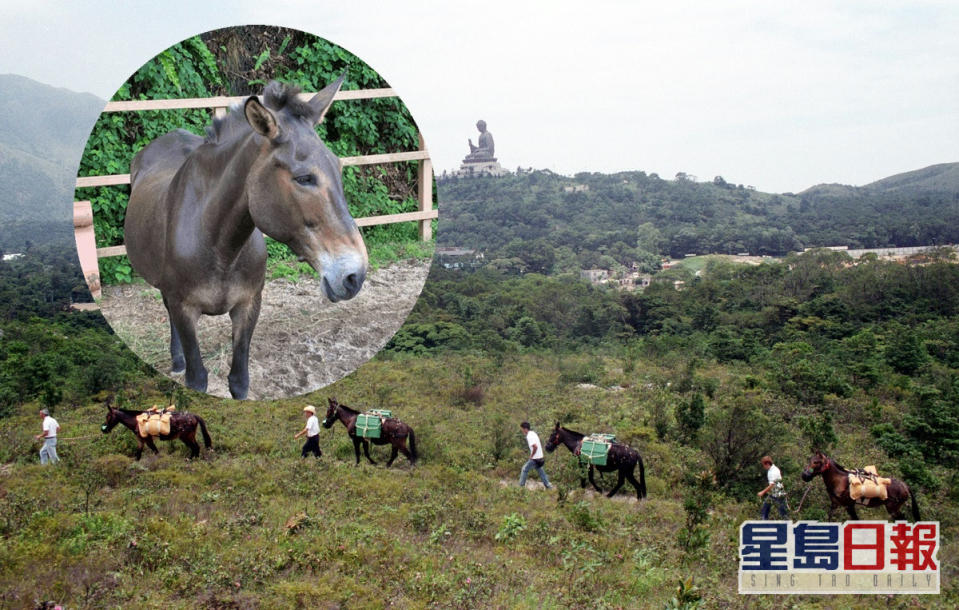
{"x":302,"y":341}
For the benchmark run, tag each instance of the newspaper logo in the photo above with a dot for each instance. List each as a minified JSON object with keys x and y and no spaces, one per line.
{"x":852,"y":557}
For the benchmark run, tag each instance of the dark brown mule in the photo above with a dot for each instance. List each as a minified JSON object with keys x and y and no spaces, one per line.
{"x":393,"y":432}
{"x":182,"y":426}
{"x":836,"y":479}
{"x":621,"y":458}
{"x":199,"y":208}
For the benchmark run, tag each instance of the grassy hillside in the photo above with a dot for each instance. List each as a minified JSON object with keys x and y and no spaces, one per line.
{"x":251,"y":524}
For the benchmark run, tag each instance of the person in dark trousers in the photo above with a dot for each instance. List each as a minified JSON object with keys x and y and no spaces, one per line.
{"x":536,"y":459}
{"x":312,"y":432}
{"x":776,"y":492}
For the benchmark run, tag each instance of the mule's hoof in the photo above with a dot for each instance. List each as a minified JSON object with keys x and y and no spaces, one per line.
{"x":178,"y":367}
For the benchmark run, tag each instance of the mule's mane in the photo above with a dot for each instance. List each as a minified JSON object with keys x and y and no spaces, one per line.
{"x":347,"y":409}
{"x":835,"y":463}
{"x":277,"y":96}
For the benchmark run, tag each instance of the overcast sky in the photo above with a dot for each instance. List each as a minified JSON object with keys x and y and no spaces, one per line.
{"x":779,"y":95}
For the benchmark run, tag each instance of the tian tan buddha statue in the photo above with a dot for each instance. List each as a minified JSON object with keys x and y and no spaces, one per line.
{"x":483,"y":150}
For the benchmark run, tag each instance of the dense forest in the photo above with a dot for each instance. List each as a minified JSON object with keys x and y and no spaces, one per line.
{"x":545,"y":223}
{"x":51,"y":354}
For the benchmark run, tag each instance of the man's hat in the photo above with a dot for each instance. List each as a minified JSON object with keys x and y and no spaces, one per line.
{"x":44,"y":412}
{"x":310,"y":408}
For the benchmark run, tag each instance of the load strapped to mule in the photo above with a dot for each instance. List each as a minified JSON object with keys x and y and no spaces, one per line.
{"x":155,"y":421}
{"x":370,"y":423}
{"x":595,"y":448}
{"x":865,"y":484}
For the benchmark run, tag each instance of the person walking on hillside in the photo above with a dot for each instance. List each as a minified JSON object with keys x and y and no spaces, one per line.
{"x":312,"y":432}
{"x":536,"y":459}
{"x":49,"y":437}
{"x":775,"y":490}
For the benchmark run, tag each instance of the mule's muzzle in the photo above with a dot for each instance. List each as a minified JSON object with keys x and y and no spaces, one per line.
{"x":342,"y":281}
{"x":104,"y":429}
{"x":807,"y":475}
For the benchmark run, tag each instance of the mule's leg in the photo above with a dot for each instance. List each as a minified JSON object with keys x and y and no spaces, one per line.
{"x":592,"y":480}
{"x":851,"y":509}
{"x":184,"y":319}
{"x":176,"y":348}
{"x":632,"y":481}
{"x":139,"y":448}
{"x":366,"y":451}
{"x":243,"y":318}
{"x":409,"y":454}
{"x":190,"y":441}
{"x":356,"y":449}
{"x":149,"y":441}
{"x":393,"y":453}
{"x":619,"y":483}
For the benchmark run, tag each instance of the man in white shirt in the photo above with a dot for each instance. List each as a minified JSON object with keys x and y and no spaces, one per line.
{"x":312,"y":432}
{"x":775,"y":489}
{"x":49,"y":436}
{"x":536,"y":459}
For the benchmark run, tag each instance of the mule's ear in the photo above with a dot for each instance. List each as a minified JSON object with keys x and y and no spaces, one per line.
{"x":260,"y":118}
{"x":330,"y":400}
{"x":557,"y":425}
{"x":322,"y":101}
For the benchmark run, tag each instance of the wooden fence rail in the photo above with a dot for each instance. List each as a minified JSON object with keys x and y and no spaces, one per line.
{"x":82,"y":210}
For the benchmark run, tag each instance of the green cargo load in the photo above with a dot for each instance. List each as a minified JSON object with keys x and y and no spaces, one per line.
{"x":368,"y":425}
{"x":595,"y":448}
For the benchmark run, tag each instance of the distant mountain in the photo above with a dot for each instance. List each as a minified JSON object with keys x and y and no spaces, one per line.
{"x":42,"y":133}
{"x":943,"y":177}
{"x":940,"y":178}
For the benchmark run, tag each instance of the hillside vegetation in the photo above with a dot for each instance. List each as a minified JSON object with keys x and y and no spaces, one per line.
{"x":861,"y":361}
{"x":546,"y":223}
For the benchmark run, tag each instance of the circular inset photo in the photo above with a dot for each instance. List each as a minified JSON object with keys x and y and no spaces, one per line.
{"x":255,"y":212}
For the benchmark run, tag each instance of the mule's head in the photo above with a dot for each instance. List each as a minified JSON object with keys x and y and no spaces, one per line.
{"x":113,"y":418}
{"x":330,"y":418}
{"x":818,"y":464}
{"x":295,"y":188}
{"x":554,"y":440}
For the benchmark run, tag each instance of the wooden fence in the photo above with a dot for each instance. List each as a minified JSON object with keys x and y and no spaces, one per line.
{"x":83,"y":214}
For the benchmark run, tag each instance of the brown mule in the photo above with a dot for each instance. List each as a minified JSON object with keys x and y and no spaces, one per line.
{"x":199,"y":208}
{"x":182,"y":426}
{"x":622,"y":459}
{"x":393,"y":432}
{"x":836,"y":479}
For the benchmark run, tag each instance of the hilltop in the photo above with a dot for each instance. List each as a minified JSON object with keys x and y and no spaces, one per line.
{"x":544,"y":222}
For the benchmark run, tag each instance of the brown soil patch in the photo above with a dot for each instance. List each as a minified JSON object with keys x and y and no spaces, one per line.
{"x":302,"y":342}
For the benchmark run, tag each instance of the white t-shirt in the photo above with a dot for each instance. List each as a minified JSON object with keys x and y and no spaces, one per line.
{"x":775,"y":479}
{"x":50,"y":426}
{"x":533,"y":439}
{"x":312,"y":426}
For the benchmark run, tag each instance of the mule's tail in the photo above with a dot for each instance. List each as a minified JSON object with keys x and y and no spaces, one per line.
{"x":413,"y":446}
{"x":642,"y":479}
{"x":915,"y":506}
{"x":207,"y":441}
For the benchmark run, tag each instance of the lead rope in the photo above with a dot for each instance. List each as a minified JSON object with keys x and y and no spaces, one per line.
{"x":803,"y":499}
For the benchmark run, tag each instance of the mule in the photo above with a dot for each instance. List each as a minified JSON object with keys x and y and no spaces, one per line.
{"x":621,"y":458}
{"x":836,"y":479}
{"x":199,"y":208}
{"x":393,"y":432}
{"x":183,"y":426}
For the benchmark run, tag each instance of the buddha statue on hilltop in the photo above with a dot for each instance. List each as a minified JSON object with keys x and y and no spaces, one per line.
{"x":482,"y":151}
